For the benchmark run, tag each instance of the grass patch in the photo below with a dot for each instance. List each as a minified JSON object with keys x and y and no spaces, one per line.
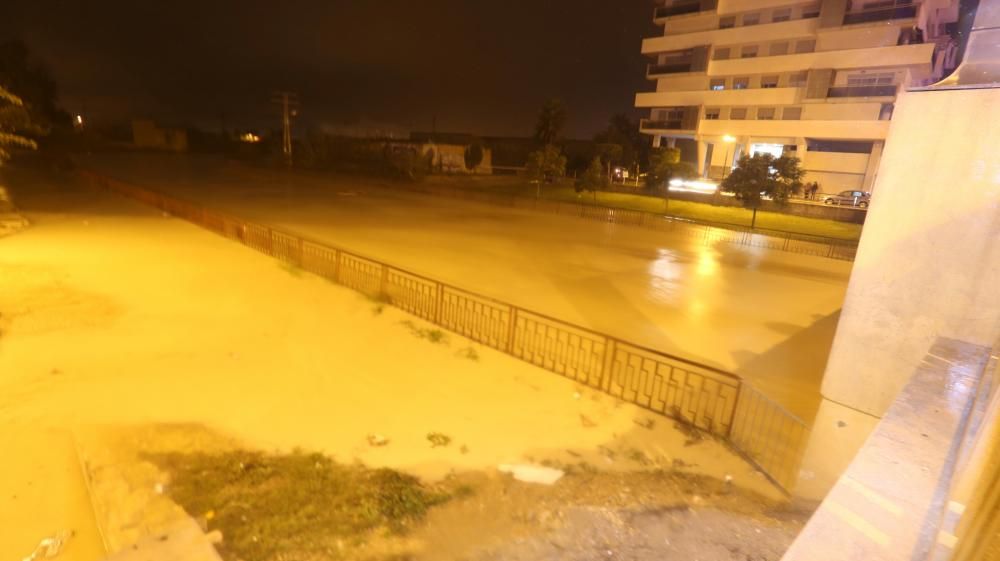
{"x":683,"y":209}
{"x":433,"y":335}
{"x":291,"y":269}
{"x":295,"y":506}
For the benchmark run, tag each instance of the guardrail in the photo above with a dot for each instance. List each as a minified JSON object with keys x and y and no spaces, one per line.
{"x":708,"y":232}
{"x":713,"y":400}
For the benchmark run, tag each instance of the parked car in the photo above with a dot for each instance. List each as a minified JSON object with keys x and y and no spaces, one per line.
{"x":852,"y":198}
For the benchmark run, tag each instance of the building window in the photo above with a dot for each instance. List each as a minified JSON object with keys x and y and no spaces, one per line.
{"x":721,"y":54}
{"x":769,"y":81}
{"x":727,"y":22}
{"x":751,"y":19}
{"x":791,"y":113}
{"x":885,"y":113}
{"x":805,"y":46}
{"x":717,"y":84}
{"x":811,"y":11}
{"x":781,"y":14}
{"x":712,"y":113}
{"x":765,"y":113}
{"x":797,"y":79}
{"x":741,"y":83}
{"x":738,"y":113}
{"x":750,"y":51}
{"x":779,"y":48}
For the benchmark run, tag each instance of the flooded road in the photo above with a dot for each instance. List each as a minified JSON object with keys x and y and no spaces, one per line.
{"x":766,"y":315}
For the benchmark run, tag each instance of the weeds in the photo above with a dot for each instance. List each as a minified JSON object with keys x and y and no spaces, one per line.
{"x":468,"y":353}
{"x":438,"y":439}
{"x":435,"y":336}
{"x":291,"y":269}
{"x":299,"y":505}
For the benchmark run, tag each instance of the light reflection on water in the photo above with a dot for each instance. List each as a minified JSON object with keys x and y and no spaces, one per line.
{"x":673,"y":271}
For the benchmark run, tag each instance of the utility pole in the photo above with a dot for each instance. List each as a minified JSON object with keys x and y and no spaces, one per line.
{"x":289,"y":103}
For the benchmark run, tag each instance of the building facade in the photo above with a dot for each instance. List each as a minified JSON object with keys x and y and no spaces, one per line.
{"x":813,"y":79}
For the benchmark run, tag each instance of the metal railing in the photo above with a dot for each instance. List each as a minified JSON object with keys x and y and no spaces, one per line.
{"x":677,"y":9}
{"x":668,"y":68}
{"x":705,"y":231}
{"x":708,"y":398}
{"x":881,"y":14}
{"x":651,"y":124}
{"x":861,"y":91}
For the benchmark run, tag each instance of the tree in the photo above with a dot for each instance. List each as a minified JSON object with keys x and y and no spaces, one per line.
{"x":665,"y":164}
{"x":624,"y":132}
{"x":592,"y":179}
{"x":473,"y":156}
{"x":610,"y":154}
{"x":763,"y":175}
{"x":551,"y":121}
{"x":545,"y":165}
{"x":32,"y":84}
{"x":13,"y":119}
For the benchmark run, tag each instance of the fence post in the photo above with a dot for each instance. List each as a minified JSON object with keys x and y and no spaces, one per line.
{"x":512,"y":329}
{"x":302,"y":254}
{"x":383,"y":281}
{"x":736,"y":406}
{"x":336,"y":266}
{"x":438,"y":312}
{"x":607,"y":363}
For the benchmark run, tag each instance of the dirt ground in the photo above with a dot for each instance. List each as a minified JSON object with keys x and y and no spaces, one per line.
{"x":114,"y":315}
{"x":589,"y":514}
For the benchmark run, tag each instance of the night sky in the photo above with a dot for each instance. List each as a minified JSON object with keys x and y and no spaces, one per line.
{"x":480,"y":67}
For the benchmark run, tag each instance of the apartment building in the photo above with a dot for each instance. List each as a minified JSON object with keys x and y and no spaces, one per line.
{"x":813,"y":79}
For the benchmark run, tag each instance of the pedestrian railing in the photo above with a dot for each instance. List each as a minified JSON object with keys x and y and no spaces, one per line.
{"x":713,"y":400}
{"x":708,"y":232}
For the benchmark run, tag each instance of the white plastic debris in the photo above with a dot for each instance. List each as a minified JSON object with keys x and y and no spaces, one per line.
{"x":49,"y":547}
{"x":531,"y":473}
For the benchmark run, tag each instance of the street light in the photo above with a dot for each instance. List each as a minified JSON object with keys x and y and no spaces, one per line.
{"x":729,"y":140}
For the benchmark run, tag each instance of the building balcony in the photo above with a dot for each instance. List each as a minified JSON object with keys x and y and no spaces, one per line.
{"x":828,"y":129}
{"x":677,"y":9}
{"x":901,"y":55}
{"x":792,"y":29}
{"x":755,"y":96}
{"x":862,"y":91}
{"x":656,"y":69}
{"x":881,"y":14}
{"x":673,"y":125}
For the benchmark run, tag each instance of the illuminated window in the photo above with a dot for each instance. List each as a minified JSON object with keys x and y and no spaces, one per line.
{"x":779,"y":48}
{"x":738,"y":113}
{"x":765,"y":113}
{"x":712,"y":113}
{"x":769,"y":81}
{"x":741,"y":83}
{"x":791,"y":113}
{"x":721,"y":54}
{"x":717,"y":84}
{"x":750,"y":51}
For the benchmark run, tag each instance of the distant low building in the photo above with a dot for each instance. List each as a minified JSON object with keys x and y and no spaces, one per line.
{"x":146,"y":134}
{"x":452,"y":152}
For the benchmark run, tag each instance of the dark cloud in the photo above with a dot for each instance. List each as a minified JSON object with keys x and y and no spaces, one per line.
{"x":478,"y":66}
